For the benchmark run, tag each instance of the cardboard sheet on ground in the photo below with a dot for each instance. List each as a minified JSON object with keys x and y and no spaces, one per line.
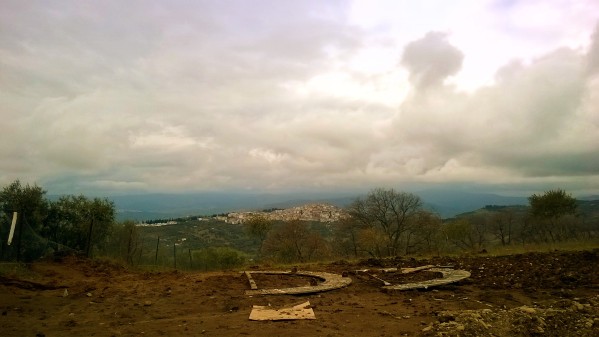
{"x":265,"y":313}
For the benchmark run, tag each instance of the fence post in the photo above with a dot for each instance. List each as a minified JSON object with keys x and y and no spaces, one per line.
{"x":156,"y":256}
{"x":141,"y":249}
{"x":20,"y":235}
{"x":175,"y":253}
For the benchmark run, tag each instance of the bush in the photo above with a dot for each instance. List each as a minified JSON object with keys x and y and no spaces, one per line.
{"x":217,"y":258}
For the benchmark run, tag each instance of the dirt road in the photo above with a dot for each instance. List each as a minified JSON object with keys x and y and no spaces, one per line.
{"x":544,"y":294}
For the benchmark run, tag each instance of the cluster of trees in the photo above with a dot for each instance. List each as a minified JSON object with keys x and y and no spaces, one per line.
{"x":390,"y":223}
{"x":70,"y":223}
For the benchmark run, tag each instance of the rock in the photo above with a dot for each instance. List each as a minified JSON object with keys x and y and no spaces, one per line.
{"x":89,"y":294}
{"x":460,"y":327}
{"x":527,"y":310}
{"x":147,"y":303}
{"x":65,"y":293}
{"x":428,"y":328}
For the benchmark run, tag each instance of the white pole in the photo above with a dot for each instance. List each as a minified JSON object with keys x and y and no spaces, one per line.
{"x":12,"y":227}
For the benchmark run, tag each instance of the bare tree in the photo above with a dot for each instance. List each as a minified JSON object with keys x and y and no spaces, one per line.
{"x":295,"y":242}
{"x":426,"y":232}
{"x":346,"y":237}
{"x":503,"y":224}
{"x":388,"y":211}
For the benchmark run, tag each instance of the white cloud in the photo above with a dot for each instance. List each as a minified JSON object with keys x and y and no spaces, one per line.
{"x":213,"y":95}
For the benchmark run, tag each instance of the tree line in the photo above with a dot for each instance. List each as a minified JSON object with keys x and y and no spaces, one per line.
{"x":383,"y":223}
{"x":74,"y":224}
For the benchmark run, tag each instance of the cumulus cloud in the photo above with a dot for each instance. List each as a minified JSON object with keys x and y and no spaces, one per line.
{"x":537,"y":120}
{"x":431,"y":60}
{"x":593,"y":55}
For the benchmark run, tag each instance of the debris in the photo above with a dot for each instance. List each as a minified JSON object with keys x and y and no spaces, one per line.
{"x":411,"y":270}
{"x":251,"y":280}
{"x":380,"y":279}
{"x":265,"y":313}
{"x":367,"y":272}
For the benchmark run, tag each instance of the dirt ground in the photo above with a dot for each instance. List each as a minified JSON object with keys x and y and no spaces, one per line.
{"x":542,"y":294}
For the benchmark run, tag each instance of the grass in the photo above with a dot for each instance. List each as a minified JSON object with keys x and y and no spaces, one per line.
{"x":544,"y":247}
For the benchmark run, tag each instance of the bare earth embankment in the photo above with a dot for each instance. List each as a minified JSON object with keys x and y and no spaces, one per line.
{"x":543,"y":294}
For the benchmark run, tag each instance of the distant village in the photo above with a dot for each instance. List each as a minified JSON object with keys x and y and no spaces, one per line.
{"x":309,"y":212}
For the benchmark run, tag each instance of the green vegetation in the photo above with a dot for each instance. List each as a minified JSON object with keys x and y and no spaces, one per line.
{"x":383,"y":223}
{"x":258,"y":228}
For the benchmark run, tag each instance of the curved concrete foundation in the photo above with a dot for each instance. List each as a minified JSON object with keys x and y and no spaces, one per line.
{"x":449,"y":276}
{"x":330,"y":282}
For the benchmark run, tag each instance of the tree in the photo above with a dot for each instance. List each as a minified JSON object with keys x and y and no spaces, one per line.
{"x":124,"y":241}
{"x":30,"y":204}
{"x":258,"y":227}
{"x":80,"y":223}
{"x":503,"y":225}
{"x":552,"y":204}
{"x":346,"y":237}
{"x":295,"y":242}
{"x":389,"y":212}
{"x":549,"y":208}
{"x":427,"y":233}
{"x":461,"y":234}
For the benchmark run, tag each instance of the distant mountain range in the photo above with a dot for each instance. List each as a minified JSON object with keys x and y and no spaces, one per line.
{"x":446,"y":203}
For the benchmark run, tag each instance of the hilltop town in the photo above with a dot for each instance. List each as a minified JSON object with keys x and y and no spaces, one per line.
{"x":311,"y":212}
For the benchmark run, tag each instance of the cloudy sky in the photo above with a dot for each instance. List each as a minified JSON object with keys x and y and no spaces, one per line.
{"x":274,"y":95}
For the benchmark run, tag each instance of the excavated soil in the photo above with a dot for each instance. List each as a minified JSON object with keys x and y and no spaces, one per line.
{"x":534,"y":294}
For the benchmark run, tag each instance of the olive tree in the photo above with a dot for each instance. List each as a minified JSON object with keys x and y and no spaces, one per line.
{"x":549,"y":209}
{"x":32,"y":207}
{"x":80,"y":223}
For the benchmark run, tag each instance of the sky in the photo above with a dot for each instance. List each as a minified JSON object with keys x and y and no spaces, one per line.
{"x":112,"y":97}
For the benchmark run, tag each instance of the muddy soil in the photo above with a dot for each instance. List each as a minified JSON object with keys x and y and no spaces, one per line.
{"x":542,"y":294}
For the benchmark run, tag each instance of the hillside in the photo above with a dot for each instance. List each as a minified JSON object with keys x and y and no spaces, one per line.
{"x":447,"y":203}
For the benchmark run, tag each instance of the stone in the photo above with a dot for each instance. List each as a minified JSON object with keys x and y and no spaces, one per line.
{"x":527,"y":310}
